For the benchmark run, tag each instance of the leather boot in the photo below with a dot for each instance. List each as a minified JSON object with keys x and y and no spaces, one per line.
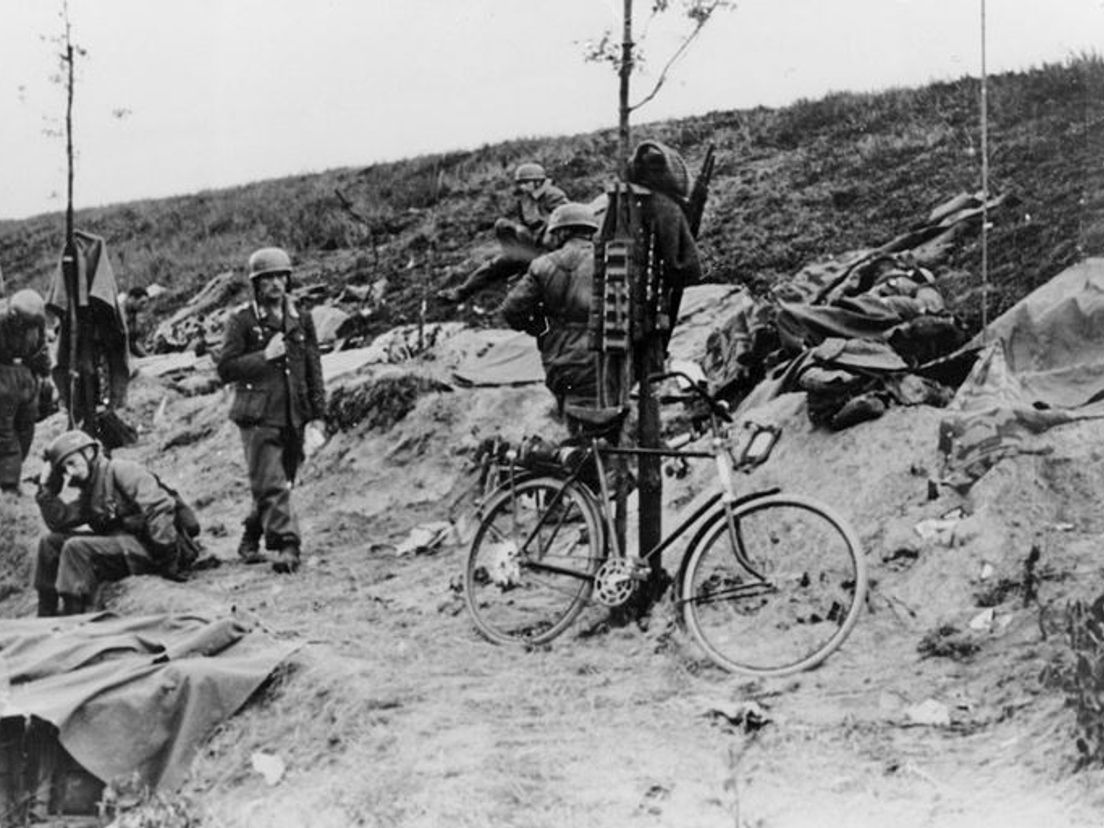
{"x":249,"y":547}
{"x":286,"y":560}
{"x":47,"y":603}
{"x":73,"y":604}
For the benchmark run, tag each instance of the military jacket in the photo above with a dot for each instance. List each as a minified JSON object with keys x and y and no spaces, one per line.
{"x":552,"y":301}
{"x":119,"y":496}
{"x":285,"y":392}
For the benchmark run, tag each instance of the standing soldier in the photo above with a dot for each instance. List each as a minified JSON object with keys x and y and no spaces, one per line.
{"x":552,"y":301}
{"x":521,"y":239}
{"x":270,"y":351}
{"x":24,"y":367}
{"x":132,"y":517}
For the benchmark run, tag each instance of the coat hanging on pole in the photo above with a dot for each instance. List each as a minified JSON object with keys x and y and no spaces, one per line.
{"x":97,"y":383}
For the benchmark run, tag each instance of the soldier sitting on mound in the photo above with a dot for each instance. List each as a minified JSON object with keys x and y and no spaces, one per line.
{"x":131,"y":519}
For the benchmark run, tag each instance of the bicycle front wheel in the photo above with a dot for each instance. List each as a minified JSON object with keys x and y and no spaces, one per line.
{"x":531,"y":565}
{"x":780,"y":592}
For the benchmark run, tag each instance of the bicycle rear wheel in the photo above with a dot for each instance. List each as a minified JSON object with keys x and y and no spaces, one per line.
{"x":784,"y":596}
{"x":531,"y":565}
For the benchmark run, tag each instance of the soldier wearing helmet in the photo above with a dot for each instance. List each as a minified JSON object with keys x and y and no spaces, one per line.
{"x":270,"y":352}
{"x":521,"y":238}
{"x":24,"y":374}
{"x":552,"y":301}
{"x":659,"y":172}
{"x":131,"y":514}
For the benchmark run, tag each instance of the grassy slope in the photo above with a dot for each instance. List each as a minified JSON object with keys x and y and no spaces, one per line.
{"x":804,"y":182}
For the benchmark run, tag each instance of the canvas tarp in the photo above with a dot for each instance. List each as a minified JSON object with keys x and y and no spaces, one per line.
{"x":134,"y":695}
{"x":1042,"y":364}
{"x":513,"y":360}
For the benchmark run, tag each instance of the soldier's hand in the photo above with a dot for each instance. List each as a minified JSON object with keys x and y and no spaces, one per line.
{"x":275,"y":347}
{"x":314,"y":437}
{"x":50,"y":478}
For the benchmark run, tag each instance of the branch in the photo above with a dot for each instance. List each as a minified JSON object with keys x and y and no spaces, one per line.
{"x":700,"y":15}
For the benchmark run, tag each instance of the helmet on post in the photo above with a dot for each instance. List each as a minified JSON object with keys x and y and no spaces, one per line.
{"x":67,"y":443}
{"x":28,"y":303}
{"x":529,"y":172}
{"x":269,"y":260}
{"x":572,"y":214}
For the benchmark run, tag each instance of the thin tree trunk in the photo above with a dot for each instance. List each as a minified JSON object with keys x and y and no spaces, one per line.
{"x":625,"y":71}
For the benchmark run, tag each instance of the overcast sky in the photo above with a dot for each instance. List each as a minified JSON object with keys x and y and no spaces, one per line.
{"x":221,"y":92}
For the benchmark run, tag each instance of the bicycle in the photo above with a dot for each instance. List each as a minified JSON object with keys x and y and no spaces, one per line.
{"x":771,"y":583}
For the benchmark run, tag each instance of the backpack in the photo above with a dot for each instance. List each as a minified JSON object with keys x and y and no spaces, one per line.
{"x":187,"y":532}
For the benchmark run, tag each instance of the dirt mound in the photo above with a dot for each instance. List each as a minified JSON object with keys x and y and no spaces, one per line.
{"x":394,"y":712}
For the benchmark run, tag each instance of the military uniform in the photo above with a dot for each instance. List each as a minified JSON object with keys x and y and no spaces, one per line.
{"x":552,"y":302}
{"x":132,"y":523}
{"x":273,"y":401}
{"x":24,"y":366}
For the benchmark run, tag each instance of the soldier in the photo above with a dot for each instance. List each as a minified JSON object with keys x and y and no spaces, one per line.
{"x":520,"y":240}
{"x":552,"y":301}
{"x":270,"y":351}
{"x":657,"y":168}
{"x":24,"y":371}
{"x":132,"y":519}
{"x":133,"y":302}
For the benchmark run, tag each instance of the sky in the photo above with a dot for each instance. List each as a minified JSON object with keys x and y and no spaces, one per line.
{"x":177,"y":96}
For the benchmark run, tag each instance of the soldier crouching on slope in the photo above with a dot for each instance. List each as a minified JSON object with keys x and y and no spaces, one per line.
{"x":131,"y":519}
{"x":520,"y":239}
{"x":270,"y":351}
{"x":24,"y":369}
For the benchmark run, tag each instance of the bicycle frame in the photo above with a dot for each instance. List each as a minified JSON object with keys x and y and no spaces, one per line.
{"x":597,"y":453}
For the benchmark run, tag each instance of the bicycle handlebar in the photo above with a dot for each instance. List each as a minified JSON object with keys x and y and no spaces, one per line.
{"x":717,"y":407}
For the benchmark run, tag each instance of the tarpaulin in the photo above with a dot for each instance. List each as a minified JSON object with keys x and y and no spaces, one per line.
{"x":514,"y":360}
{"x":134,"y":695}
{"x":1042,"y":365}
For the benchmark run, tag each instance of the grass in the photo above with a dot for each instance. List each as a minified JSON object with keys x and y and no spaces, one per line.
{"x":793,"y":184}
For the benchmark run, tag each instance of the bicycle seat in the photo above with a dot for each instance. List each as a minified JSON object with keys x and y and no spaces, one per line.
{"x":595,"y":415}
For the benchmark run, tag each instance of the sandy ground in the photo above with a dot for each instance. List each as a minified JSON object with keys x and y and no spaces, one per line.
{"x":394,"y":712}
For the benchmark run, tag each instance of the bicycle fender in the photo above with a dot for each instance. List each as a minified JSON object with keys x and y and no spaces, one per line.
{"x":708,"y":523}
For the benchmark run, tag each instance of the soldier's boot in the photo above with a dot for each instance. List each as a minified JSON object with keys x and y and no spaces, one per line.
{"x":249,"y":547}
{"x":47,"y":603}
{"x":286,"y":560}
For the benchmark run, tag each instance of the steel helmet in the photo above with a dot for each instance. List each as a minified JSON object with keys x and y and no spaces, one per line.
{"x":269,"y":260}
{"x":529,"y":172}
{"x":572,"y":214}
{"x":67,"y":443}
{"x":28,"y":303}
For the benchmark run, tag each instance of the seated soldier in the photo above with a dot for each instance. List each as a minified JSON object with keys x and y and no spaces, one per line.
{"x":520,"y":239}
{"x":131,"y":520}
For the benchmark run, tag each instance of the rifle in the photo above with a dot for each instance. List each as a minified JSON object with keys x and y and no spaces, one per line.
{"x":695,"y":205}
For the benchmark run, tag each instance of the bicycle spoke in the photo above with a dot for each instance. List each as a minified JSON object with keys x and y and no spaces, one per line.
{"x":786,"y":599}
{"x":532,"y":562}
